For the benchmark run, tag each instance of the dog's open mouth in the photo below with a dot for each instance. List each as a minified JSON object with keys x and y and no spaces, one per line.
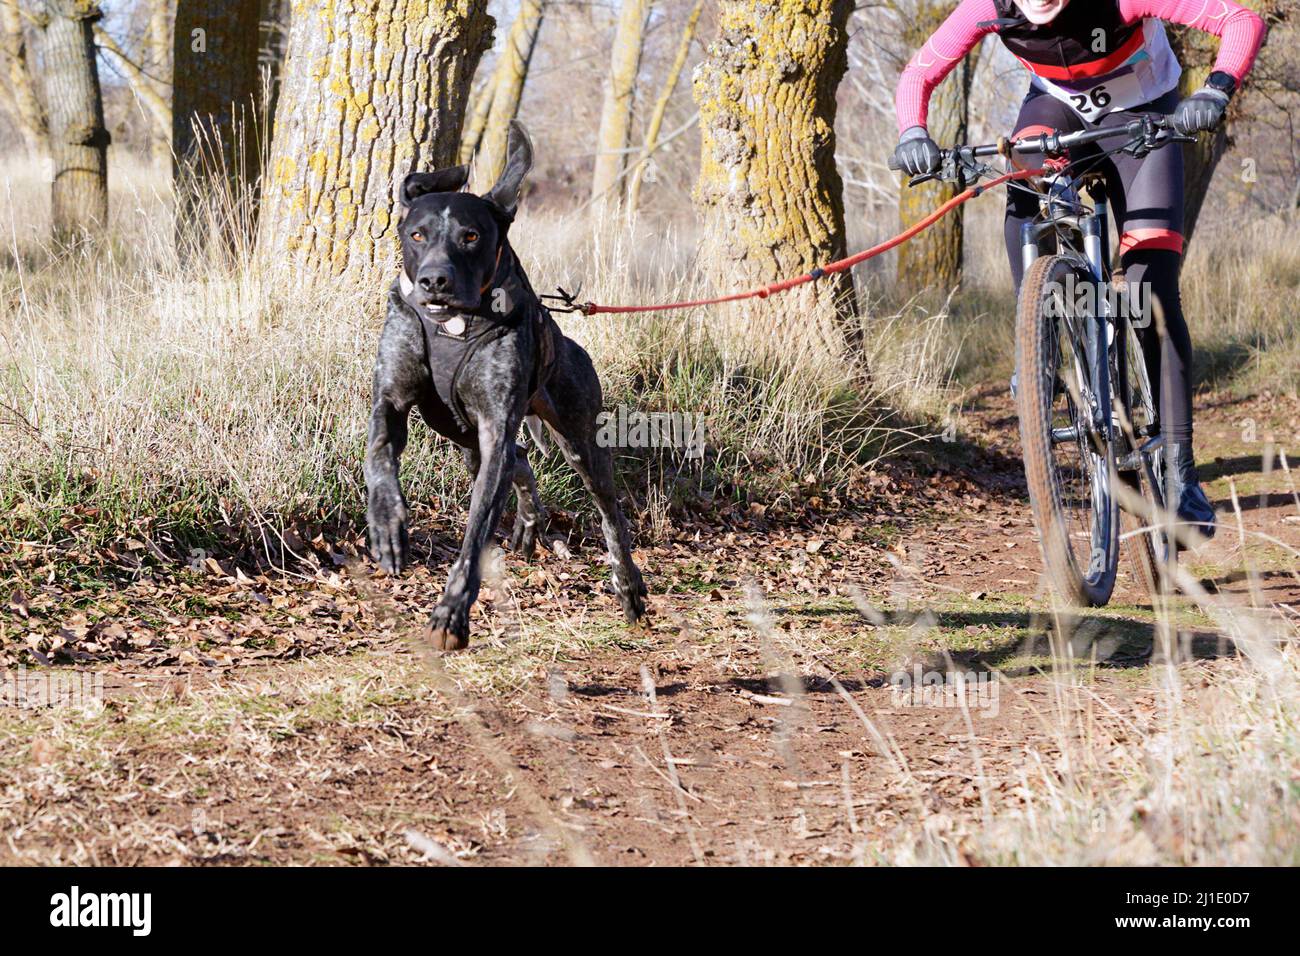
{"x":450,"y":318}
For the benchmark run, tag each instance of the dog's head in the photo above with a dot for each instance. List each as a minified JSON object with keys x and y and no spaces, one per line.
{"x":452,"y":240}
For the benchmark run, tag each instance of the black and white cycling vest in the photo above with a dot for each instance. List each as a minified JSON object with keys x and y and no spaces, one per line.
{"x":1090,"y":59}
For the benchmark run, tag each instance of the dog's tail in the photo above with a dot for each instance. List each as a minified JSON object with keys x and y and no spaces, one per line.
{"x":538,"y":433}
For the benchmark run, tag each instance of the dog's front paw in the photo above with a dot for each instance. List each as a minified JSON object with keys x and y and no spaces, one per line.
{"x":386,"y":518}
{"x":633,"y":606}
{"x":448,"y":629}
{"x":631,"y":595}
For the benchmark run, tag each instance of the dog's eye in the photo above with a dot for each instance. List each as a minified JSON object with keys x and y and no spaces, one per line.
{"x":417,"y":235}
{"x":469,"y":238}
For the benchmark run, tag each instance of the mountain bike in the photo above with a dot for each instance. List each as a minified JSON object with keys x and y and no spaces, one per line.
{"x":1089,"y":419}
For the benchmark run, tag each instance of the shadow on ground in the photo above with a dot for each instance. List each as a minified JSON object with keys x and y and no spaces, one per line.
{"x":1028,"y":642}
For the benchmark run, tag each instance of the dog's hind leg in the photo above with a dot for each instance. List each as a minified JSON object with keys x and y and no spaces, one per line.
{"x":530,"y":516}
{"x":595,"y":467}
{"x":449,"y":622}
{"x":570,"y":406}
{"x":472,"y":460}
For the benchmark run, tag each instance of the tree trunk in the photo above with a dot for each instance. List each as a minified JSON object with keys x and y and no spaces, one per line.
{"x":272,"y":45}
{"x":769,"y":194}
{"x":372,"y":89}
{"x":159,"y":45}
{"x":933,"y":259}
{"x":1196,"y":52}
{"x":620,"y":90}
{"x":655,"y":126}
{"x":478,"y":117}
{"x":214,"y":95}
{"x":29,"y":113}
{"x":509,"y":78}
{"x":78,"y":139}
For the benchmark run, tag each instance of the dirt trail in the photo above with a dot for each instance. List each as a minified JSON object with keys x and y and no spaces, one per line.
{"x":748,"y":724}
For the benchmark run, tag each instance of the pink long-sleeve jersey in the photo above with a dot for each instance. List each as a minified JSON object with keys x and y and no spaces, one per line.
{"x":1097,"y":55}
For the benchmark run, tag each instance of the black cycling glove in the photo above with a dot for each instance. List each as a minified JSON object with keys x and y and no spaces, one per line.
{"x":917,"y":154}
{"x":1201,"y":112}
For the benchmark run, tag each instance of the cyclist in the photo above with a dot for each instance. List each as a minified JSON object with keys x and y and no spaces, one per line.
{"x":1104,"y":63}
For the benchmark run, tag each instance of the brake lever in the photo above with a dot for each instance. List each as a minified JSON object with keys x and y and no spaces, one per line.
{"x":956,"y":169}
{"x":1143,"y":146}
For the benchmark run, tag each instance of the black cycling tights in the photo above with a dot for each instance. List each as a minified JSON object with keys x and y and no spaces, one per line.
{"x":1147,"y":198}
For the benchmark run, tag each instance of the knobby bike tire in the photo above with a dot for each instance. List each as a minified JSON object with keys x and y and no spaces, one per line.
{"x":1036,"y":353}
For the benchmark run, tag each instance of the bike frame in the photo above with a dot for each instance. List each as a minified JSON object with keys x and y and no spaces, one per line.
{"x":1106,"y":329}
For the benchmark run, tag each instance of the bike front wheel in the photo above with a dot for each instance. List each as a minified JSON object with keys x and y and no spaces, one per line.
{"x":1069,"y":461}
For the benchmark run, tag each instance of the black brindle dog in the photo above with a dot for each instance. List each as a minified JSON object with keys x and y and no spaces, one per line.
{"x":468,"y":342}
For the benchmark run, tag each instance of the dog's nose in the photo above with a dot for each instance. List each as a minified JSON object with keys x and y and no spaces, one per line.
{"x":435,"y":282}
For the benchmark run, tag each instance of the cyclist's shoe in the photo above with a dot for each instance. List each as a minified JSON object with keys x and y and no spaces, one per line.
{"x":1193,"y":506}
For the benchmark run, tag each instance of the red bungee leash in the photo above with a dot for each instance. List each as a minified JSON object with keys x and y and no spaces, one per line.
{"x":592,"y":308}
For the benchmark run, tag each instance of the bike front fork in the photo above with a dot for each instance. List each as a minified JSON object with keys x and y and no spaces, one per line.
{"x":1100,"y":329}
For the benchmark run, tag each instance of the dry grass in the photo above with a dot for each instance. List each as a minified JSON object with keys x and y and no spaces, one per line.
{"x":237,"y":393}
{"x":1239,"y":293}
{"x":1203,"y":774}
{"x":1240,"y":282}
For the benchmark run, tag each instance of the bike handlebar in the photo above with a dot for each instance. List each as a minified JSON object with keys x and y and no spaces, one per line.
{"x":1057,"y":144}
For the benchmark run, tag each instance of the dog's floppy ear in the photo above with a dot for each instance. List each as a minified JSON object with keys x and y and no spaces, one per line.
{"x":519,"y":160}
{"x":439,"y":181}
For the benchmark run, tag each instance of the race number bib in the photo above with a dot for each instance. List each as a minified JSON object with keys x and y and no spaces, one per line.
{"x":1147,"y":75}
{"x":1118,"y":91}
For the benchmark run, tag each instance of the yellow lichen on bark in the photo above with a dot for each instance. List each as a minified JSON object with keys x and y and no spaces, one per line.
{"x":481,"y":106}
{"x":769,"y":192}
{"x":372,"y":89}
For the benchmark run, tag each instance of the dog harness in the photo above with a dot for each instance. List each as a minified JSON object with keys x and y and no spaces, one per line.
{"x":1096,"y":56}
{"x":449,"y":355}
